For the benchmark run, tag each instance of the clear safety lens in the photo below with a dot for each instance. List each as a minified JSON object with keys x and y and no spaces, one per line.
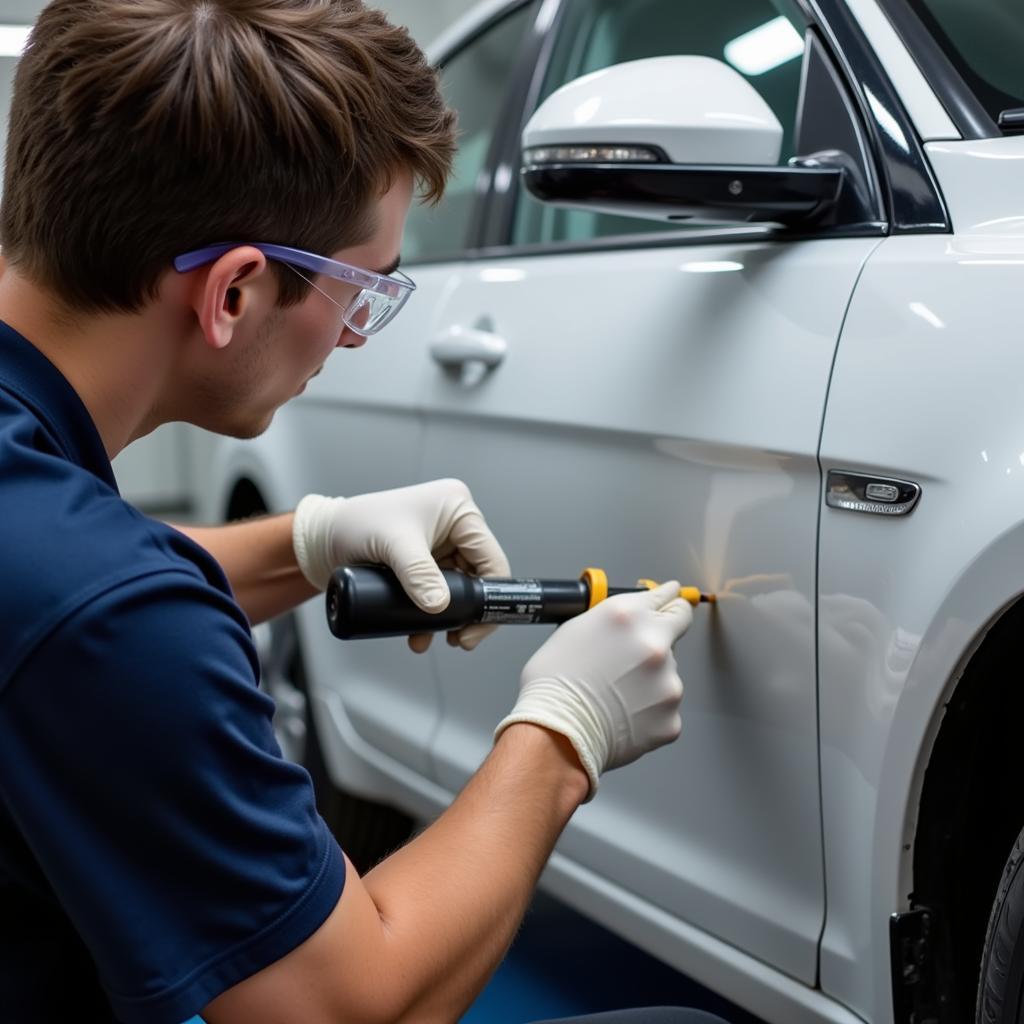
{"x":370,"y":311}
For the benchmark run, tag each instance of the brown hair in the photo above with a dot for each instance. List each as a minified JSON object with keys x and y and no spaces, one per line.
{"x":142,"y":129}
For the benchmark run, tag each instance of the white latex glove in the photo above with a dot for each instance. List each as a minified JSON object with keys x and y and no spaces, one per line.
{"x":607,"y":680}
{"x":412,"y":530}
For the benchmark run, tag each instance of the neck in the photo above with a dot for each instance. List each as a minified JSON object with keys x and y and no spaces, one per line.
{"x":119,"y":364}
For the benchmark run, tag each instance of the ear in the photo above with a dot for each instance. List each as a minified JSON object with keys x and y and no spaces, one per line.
{"x":226,"y":291}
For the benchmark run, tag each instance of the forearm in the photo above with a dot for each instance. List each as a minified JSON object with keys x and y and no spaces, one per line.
{"x":418,"y":937}
{"x":258,"y":559}
{"x":467,"y":880}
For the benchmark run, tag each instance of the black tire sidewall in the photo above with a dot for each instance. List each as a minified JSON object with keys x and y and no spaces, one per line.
{"x":1001,"y":982}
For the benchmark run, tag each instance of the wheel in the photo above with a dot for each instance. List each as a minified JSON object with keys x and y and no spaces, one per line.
{"x":1001,"y":985}
{"x":367,"y":831}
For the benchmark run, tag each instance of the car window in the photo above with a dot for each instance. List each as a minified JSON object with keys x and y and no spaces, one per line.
{"x":985,"y":40}
{"x":474,"y":82}
{"x":762,"y":39}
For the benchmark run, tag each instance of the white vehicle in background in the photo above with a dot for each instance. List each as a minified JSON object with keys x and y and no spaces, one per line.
{"x":749,"y":317}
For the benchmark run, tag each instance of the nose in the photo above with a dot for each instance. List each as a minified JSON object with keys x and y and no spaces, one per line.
{"x":349,"y":339}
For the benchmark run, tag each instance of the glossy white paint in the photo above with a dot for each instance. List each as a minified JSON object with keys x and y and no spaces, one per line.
{"x":746,"y":981}
{"x":927,"y":388}
{"x":657,"y":414}
{"x":698,"y":110}
{"x":928,"y":114}
{"x":674,"y":434}
{"x":656,"y":411}
{"x":981,"y":183}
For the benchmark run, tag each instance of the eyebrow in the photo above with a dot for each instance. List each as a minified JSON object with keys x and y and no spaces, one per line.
{"x":390,"y":268}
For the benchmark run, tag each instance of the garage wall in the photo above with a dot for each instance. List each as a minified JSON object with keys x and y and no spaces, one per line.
{"x":164,"y":470}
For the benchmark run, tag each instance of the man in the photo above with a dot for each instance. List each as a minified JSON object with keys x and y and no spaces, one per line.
{"x":202,"y":200}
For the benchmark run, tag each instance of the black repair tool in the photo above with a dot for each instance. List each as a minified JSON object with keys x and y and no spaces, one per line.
{"x":367,"y":601}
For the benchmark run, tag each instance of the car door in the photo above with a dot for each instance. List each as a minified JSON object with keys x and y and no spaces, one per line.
{"x":360,"y":422}
{"x":649,"y":400}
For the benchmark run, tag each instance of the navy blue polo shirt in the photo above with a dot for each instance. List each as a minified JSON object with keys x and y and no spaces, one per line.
{"x":155,"y":848}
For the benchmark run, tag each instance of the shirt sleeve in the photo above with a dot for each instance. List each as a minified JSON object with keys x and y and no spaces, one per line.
{"x":139,"y":762}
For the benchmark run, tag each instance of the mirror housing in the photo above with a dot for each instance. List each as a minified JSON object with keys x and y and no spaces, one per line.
{"x":689,"y":110}
{"x":670,"y":138}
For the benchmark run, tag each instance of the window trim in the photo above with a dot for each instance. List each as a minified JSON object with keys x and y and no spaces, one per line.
{"x":500,"y":242}
{"x":498,"y":216}
{"x":814,"y":106}
{"x":909,"y":191}
{"x":965,"y":110}
{"x":913,"y":199}
{"x":673,"y":240}
{"x":448,"y":51}
{"x":450,"y":46}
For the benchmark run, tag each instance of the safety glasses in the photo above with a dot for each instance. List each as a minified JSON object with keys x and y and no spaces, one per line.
{"x":376,"y":304}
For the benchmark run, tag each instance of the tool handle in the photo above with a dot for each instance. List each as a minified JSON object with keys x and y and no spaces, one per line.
{"x":366,"y":601}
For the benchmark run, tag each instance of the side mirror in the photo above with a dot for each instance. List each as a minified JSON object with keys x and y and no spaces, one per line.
{"x":670,"y":138}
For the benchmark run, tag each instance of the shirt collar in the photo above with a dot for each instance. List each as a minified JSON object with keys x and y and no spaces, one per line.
{"x":28,"y":375}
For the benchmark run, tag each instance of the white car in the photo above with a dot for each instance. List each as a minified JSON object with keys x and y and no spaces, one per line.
{"x":763,"y":333}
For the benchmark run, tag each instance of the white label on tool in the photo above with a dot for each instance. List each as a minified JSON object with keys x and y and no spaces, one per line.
{"x":512,"y":601}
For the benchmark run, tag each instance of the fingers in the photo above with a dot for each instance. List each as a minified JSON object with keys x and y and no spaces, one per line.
{"x":420,"y":576}
{"x":477,"y":546}
{"x":673,"y":729}
{"x":467,"y":639}
{"x":478,"y":553}
{"x":663,"y":594}
{"x":470,"y":637}
{"x":419,"y":643}
{"x":677,"y":615}
{"x":672,"y":611}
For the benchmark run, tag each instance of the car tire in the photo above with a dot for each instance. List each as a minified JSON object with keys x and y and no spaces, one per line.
{"x":366,"y":830}
{"x":1001,"y":984}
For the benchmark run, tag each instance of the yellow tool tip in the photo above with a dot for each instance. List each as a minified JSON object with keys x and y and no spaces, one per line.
{"x":691,"y":594}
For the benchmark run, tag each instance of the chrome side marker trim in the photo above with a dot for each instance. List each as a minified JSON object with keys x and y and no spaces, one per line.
{"x":878,"y":496}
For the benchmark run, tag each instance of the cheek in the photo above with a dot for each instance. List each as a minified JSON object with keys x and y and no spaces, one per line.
{"x":315,"y":327}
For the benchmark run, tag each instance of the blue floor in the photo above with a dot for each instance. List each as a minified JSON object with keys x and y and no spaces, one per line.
{"x":561,"y":965}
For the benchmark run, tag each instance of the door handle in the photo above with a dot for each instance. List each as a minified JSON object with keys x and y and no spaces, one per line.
{"x":458,"y":346}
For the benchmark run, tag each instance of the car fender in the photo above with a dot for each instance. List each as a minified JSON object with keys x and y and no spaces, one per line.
{"x":272,"y":462}
{"x":925,"y":389}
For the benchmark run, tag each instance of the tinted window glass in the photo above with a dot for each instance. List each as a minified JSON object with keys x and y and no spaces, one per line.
{"x":598,"y":33}
{"x":474,"y":81}
{"x":985,"y":40}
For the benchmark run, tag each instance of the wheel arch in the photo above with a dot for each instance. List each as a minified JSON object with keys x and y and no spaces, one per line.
{"x":964,"y":824}
{"x":245,"y":499}
{"x":957,"y":832}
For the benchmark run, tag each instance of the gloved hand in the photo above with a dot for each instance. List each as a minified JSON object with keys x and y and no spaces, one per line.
{"x":607,"y":680}
{"x":412,"y":530}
